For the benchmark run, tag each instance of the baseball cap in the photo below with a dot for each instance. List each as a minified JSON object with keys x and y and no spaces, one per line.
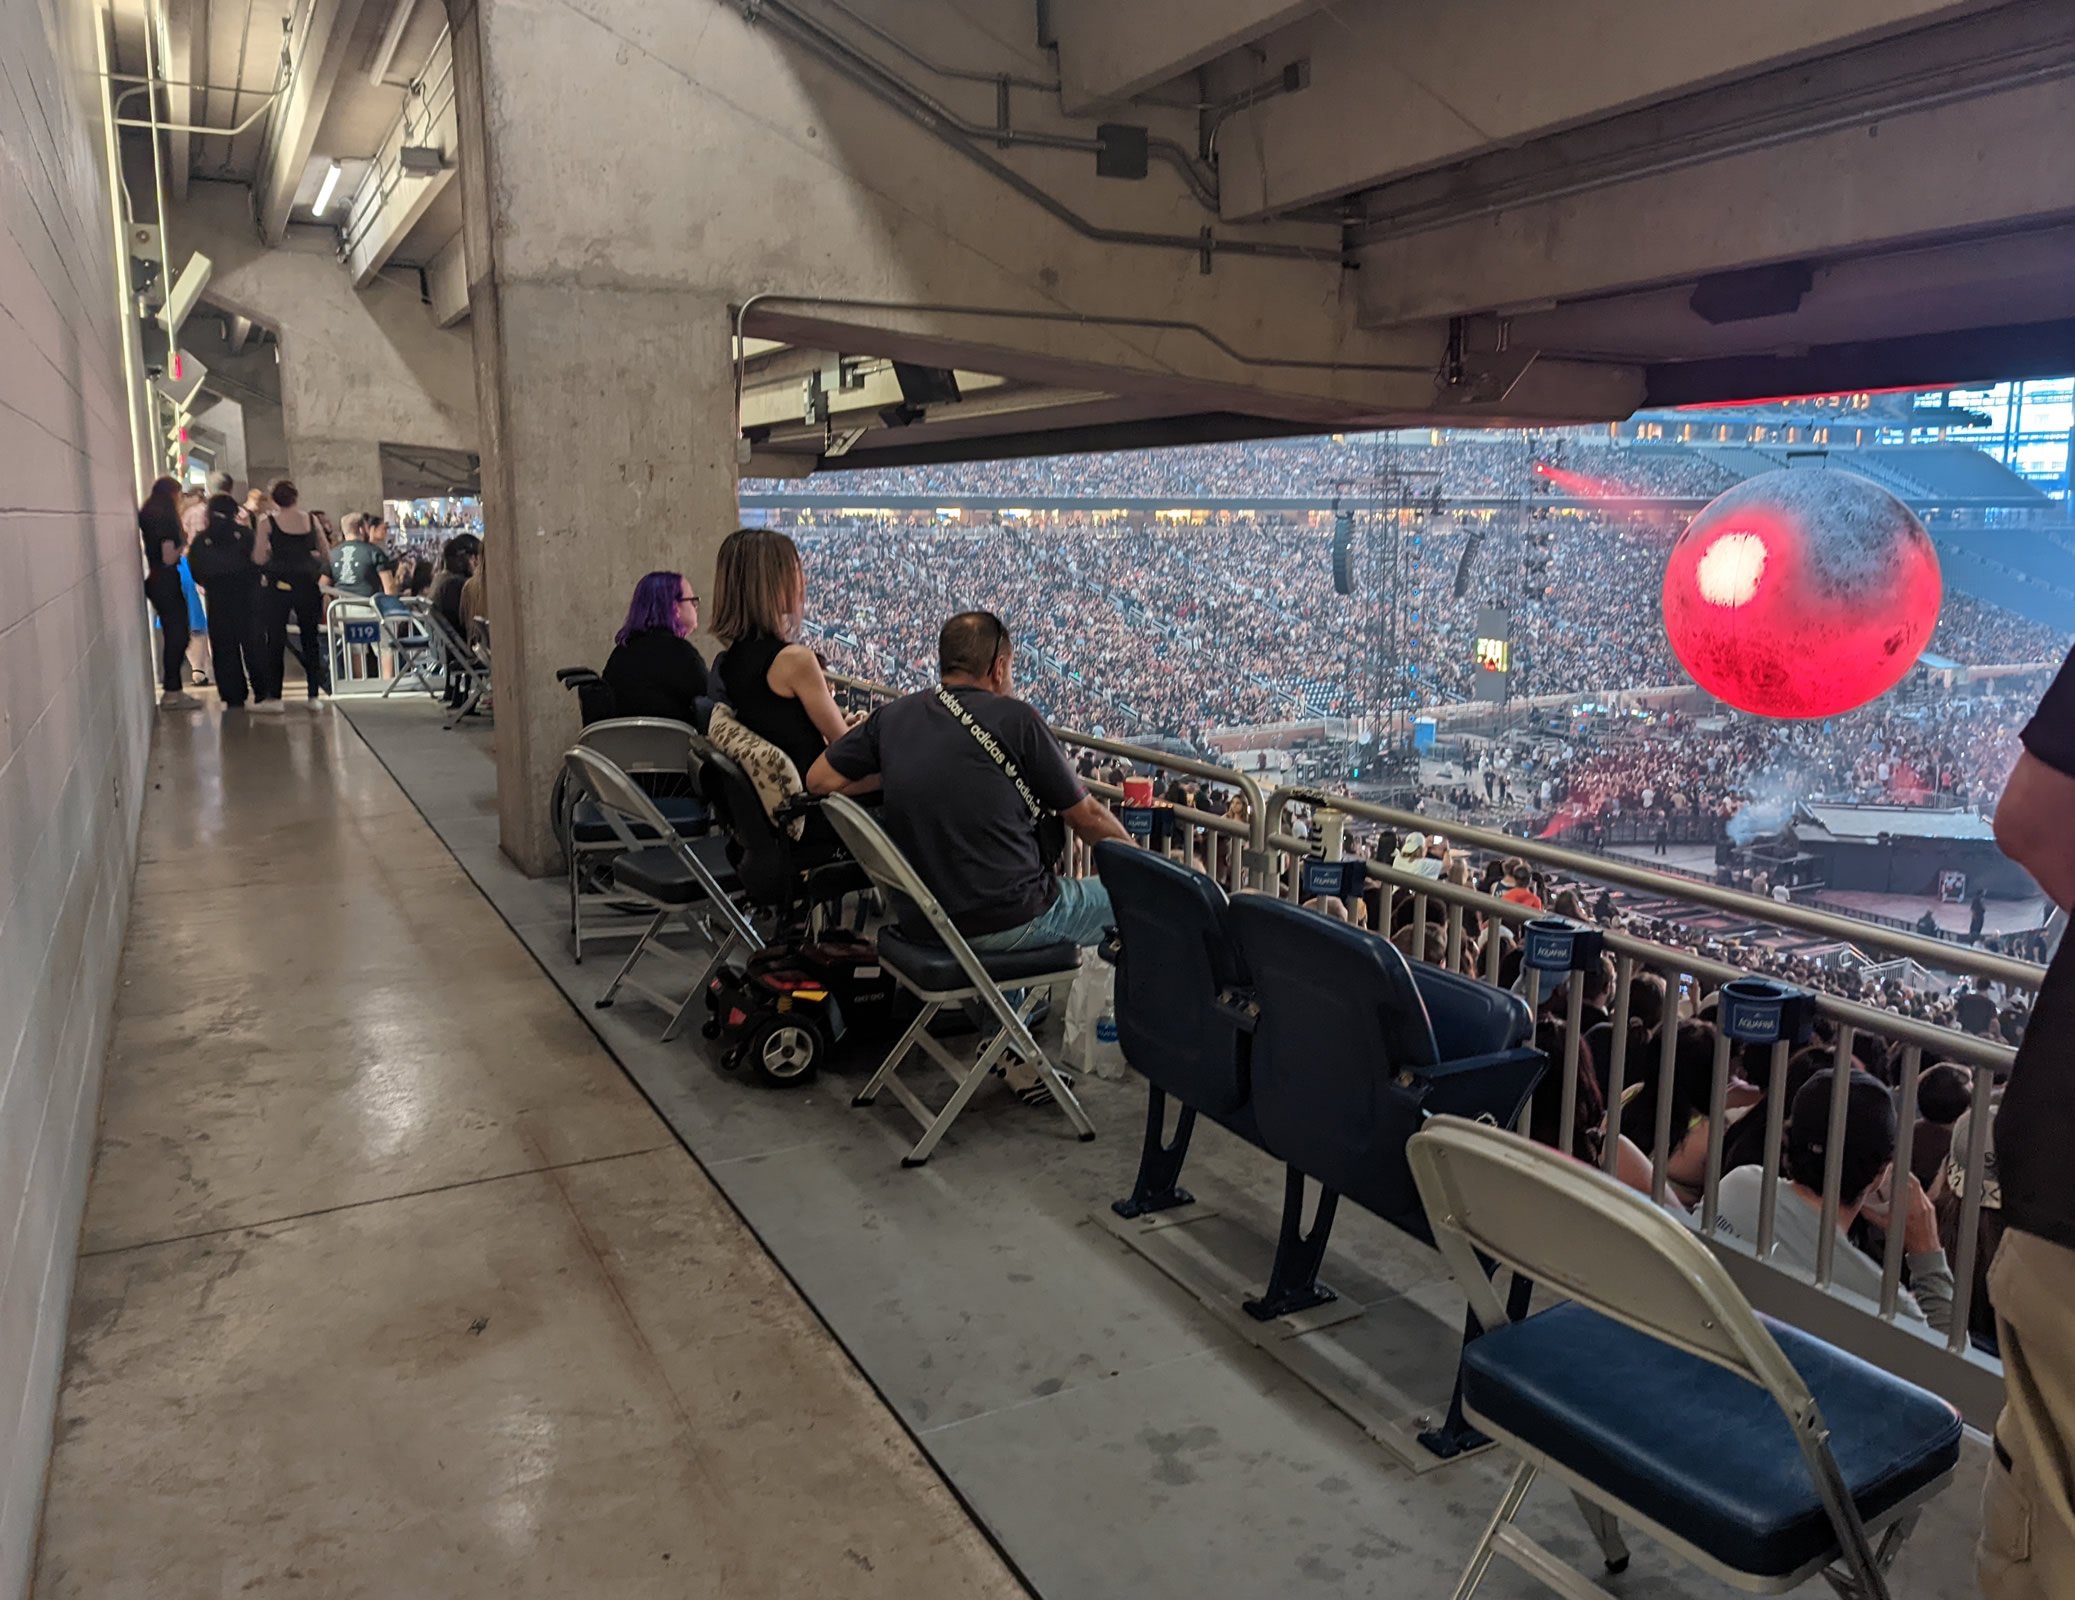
{"x":1868,"y":1132}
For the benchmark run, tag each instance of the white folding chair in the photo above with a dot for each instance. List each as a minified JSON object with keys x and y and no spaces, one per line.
{"x":947,"y":972}
{"x":1657,"y":1395}
{"x":667,"y":873}
{"x":656,"y":752}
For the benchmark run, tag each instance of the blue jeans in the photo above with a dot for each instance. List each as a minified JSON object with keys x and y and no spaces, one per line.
{"x":1081,"y":915}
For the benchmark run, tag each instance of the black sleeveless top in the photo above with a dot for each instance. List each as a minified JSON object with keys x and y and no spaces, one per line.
{"x":745,"y":673}
{"x":291,"y":555}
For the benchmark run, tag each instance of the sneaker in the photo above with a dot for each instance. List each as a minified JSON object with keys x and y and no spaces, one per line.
{"x":270,"y":707}
{"x":178,"y":700}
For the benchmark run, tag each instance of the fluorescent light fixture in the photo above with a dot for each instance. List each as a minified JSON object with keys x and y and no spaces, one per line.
{"x":324,"y":190}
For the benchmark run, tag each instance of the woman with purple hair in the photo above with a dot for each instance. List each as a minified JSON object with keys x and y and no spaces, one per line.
{"x":655,"y":670}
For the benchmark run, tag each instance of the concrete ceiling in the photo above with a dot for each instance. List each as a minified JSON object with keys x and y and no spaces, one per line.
{"x":1769,"y":198}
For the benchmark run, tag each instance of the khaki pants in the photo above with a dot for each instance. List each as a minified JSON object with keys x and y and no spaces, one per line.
{"x":2027,"y":1548}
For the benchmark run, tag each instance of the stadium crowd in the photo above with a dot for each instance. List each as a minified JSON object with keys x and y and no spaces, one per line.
{"x":1462,"y":466}
{"x":1173,"y":631}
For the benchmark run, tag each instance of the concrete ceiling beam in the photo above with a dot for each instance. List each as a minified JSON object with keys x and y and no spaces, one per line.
{"x":318,"y":51}
{"x":391,"y":199}
{"x":1399,"y":86}
{"x":177,"y":62}
{"x":783,"y":403}
{"x":446,"y":279}
{"x":1908,"y":180}
{"x":1110,"y":52}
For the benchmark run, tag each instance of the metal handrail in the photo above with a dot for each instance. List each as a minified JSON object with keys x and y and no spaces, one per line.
{"x":1603,"y":869}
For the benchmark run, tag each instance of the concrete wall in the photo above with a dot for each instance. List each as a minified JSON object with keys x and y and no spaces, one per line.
{"x":75,"y":710}
{"x":359,"y":368}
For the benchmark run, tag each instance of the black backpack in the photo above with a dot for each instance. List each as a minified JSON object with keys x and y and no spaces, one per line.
{"x":223,"y":549}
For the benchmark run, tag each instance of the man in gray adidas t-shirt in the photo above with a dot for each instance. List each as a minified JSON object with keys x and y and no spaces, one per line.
{"x":966,"y":772}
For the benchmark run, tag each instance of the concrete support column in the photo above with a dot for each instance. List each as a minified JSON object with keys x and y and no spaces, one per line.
{"x":608,"y":430}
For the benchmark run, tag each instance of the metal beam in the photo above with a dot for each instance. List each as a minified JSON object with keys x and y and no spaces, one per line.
{"x":317,"y":51}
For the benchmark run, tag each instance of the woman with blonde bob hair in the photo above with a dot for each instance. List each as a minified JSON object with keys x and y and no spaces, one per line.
{"x":774,"y":685}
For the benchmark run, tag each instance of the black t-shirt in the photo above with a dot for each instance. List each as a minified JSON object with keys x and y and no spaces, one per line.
{"x":655,"y":674}
{"x":954,"y":813}
{"x":357,"y":567}
{"x":158,"y":528}
{"x":1975,"y":1010}
{"x":2035,"y":1126}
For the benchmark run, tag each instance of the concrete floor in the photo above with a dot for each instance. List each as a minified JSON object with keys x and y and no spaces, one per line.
{"x":1115,"y":1437}
{"x":391,"y":1282}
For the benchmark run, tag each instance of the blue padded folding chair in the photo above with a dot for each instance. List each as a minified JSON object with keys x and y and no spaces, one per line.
{"x":657,"y":754}
{"x":1657,"y":1395}
{"x":669,"y":875}
{"x":943,"y":970}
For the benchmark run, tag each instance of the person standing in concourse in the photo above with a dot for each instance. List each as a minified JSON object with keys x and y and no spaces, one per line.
{"x":159,"y":525}
{"x":2027,"y":1548}
{"x":292,"y":551}
{"x":220,"y":557}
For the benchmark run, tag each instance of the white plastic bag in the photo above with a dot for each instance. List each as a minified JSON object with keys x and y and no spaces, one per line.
{"x":1090,"y":1040}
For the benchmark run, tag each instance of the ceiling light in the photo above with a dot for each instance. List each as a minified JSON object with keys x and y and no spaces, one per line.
{"x":324,"y":190}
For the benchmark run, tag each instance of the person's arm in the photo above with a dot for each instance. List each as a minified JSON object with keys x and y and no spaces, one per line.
{"x":1092,"y":821}
{"x":2032,"y":825}
{"x":262,"y":541}
{"x":798,"y":673}
{"x":385,"y":575}
{"x":318,"y":525}
{"x":1930,"y":1274}
{"x":850,"y":765}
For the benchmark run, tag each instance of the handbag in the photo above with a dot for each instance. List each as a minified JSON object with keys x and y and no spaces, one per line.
{"x":1047,"y":824}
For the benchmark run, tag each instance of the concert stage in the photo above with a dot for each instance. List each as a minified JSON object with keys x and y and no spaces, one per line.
{"x":1908,"y":850}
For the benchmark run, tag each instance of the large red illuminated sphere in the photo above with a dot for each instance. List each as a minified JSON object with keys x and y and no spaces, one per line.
{"x":1801,"y":593}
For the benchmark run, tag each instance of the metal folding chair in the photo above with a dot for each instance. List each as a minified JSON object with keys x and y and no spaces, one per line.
{"x":459,"y":658}
{"x":947,"y":972}
{"x":1657,"y":1395}
{"x":680,"y":880}
{"x":404,"y":632}
{"x":657,"y":754}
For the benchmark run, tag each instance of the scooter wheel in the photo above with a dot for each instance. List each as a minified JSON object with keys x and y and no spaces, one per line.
{"x":783,"y":1050}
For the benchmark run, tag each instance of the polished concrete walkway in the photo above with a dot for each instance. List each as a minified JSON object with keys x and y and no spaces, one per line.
{"x":393,"y":1285}
{"x":1119,"y":1440}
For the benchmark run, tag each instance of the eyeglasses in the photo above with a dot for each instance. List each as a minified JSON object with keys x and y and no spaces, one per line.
{"x":687,"y":599}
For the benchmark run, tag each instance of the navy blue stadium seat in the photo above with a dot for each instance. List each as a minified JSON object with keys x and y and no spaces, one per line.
{"x":1699,"y":1449}
{"x":1178,"y":1003}
{"x":1347,"y":1061}
{"x":1310,"y":1039}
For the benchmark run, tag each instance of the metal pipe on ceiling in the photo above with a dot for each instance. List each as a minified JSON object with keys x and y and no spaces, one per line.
{"x":875,"y":79}
{"x":1168,"y":150}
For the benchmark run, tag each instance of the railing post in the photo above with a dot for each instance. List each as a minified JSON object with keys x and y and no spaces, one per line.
{"x":1617,"y":1062}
